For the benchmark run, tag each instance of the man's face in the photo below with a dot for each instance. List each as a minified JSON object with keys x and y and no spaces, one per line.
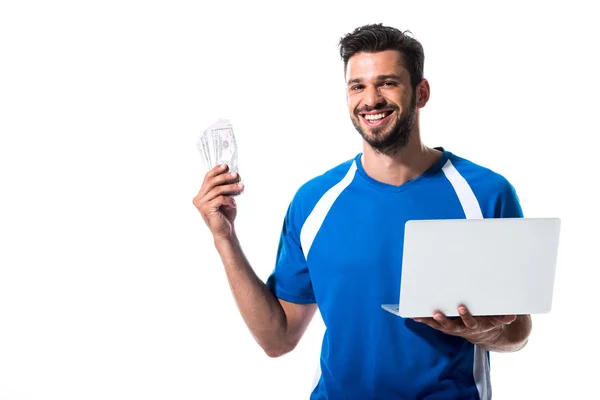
{"x":380,"y":99}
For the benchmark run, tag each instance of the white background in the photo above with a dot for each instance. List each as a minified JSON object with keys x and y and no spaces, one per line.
{"x":110,"y":287}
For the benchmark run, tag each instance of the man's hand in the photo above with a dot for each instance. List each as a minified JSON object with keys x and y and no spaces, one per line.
{"x":477,"y":330}
{"x":215,"y":200}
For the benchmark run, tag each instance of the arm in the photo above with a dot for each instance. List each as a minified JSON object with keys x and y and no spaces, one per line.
{"x":513,"y":336}
{"x":275,"y":324}
{"x":505,"y":334}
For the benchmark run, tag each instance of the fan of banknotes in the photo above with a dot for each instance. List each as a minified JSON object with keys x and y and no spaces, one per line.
{"x":217,"y":146}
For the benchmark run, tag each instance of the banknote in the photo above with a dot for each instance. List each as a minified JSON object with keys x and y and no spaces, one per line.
{"x":227,"y":149}
{"x":217,"y":145}
{"x":204,"y":149}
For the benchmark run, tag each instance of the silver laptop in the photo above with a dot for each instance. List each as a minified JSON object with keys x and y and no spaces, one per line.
{"x":494,"y":266}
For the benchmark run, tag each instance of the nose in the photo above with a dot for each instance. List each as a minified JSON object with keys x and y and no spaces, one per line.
{"x":373,"y":98}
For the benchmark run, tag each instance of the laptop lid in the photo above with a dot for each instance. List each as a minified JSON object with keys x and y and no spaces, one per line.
{"x":494,"y":266}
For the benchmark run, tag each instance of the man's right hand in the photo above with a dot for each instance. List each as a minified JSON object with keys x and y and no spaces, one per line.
{"x":215,"y":200}
{"x":277,"y":325}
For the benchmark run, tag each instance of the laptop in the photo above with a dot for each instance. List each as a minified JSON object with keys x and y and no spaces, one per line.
{"x":494,"y":266}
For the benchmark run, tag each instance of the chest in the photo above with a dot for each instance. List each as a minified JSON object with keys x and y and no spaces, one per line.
{"x":359,"y":245}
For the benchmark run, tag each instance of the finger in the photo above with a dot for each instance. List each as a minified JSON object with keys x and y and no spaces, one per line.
{"x":495,"y":321}
{"x":203,"y":197}
{"x":218,"y":202}
{"x":429,"y":322}
{"x":229,"y":203}
{"x":467,"y":319}
{"x":216,"y":170}
{"x":233,"y":189}
{"x":446,"y":323}
{"x":209,"y":176}
{"x":498,"y":320}
{"x":220,"y":179}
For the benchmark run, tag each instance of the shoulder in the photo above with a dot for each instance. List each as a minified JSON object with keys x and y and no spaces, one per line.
{"x":486,"y":180}
{"x":495,"y":193}
{"x":319,"y":185}
{"x":310,"y":192}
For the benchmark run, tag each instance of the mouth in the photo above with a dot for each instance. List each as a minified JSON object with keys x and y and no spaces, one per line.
{"x":376,"y":118}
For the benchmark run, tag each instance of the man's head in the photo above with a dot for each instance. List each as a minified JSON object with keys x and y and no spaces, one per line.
{"x":385,"y":85}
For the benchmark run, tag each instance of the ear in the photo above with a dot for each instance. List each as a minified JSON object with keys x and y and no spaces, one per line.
{"x":423,"y":92}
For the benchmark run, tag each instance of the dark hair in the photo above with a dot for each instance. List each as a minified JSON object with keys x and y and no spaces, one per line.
{"x":377,"y":37}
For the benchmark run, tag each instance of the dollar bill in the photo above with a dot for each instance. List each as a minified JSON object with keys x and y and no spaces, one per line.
{"x":227,"y":149}
{"x":204,"y":151}
{"x":214,"y":133}
{"x":217,"y":145}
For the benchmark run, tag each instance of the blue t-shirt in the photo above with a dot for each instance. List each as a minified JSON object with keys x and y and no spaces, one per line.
{"x":341,"y":247}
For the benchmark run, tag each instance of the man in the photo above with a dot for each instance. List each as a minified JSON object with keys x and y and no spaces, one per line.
{"x":340,"y":247}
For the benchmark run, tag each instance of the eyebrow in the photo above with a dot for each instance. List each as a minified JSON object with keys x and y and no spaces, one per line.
{"x":379,"y":78}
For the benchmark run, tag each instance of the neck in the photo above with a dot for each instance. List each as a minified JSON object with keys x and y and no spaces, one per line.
{"x":406,"y":165}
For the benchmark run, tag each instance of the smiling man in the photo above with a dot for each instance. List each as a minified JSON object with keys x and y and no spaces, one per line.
{"x":386,"y":120}
{"x":341,"y":244}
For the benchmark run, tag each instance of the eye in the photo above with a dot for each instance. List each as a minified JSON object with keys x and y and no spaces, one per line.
{"x":357,"y":87}
{"x":390,"y":83}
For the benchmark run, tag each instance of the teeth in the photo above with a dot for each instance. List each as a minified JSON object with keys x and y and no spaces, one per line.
{"x":374,"y":117}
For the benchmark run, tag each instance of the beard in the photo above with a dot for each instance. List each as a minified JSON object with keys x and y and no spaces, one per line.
{"x":396,"y":137}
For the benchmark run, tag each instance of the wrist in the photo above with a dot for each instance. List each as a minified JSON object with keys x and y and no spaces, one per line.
{"x":222,"y":242}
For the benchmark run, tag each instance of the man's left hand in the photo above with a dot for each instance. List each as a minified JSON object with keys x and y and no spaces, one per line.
{"x":477,"y":330}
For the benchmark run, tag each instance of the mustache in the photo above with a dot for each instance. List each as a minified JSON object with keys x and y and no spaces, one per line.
{"x":382,"y":106}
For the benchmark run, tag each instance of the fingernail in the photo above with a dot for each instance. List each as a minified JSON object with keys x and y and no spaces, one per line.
{"x":234,"y":174}
{"x":462,"y":311}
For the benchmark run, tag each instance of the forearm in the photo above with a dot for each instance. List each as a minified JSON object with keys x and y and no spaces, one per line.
{"x":512,"y":337}
{"x":259,"y":308}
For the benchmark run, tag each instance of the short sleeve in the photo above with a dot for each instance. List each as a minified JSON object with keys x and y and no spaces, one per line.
{"x":290,"y":280}
{"x":508,"y":204}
